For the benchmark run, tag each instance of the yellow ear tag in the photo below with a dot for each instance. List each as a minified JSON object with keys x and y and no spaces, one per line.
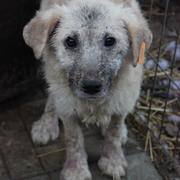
{"x":141,"y":57}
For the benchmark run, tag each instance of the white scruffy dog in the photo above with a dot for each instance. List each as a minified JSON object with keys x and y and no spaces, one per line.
{"x":89,"y":50}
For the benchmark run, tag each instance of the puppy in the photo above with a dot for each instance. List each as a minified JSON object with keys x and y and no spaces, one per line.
{"x":89,"y":51}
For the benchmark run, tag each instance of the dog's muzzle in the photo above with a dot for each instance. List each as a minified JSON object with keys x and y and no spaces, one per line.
{"x":91,"y":87}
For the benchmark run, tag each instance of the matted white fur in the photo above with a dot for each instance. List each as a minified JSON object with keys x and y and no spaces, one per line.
{"x":65,"y":69}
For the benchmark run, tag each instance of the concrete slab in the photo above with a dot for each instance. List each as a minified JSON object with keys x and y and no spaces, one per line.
{"x":19,"y":155}
{"x":22,"y":159}
{"x":40,"y":177}
{"x":141,"y":168}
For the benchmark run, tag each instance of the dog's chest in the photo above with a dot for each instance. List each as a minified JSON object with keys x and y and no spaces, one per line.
{"x":98,"y":119}
{"x":93,"y":115}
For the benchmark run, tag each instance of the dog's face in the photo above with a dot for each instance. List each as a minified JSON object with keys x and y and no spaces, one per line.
{"x":90,"y":45}
{"x":90,"y":42}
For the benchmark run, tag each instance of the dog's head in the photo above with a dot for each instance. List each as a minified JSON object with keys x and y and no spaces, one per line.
{"x":90,"y":41}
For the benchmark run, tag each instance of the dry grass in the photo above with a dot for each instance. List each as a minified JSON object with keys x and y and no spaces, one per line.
{"x":152,"y":122}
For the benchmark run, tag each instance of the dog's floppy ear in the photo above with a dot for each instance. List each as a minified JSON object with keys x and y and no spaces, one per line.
{"x":137,"y":27}
{"x":37,"y":31}
{"x":138,"y":36}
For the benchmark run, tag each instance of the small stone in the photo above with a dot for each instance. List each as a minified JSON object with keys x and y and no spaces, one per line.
{"x":149,"y":65}
{"x":164,"y":64}
{"x":171,"y":50}
{"x":175,"y":85}
{"x":171,"y":129}
{"x":174,"y":118}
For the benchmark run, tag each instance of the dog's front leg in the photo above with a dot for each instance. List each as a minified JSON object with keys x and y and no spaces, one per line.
{"x":113,"y":162}
{"x":76,"y":166}
{"x":47,"y":127}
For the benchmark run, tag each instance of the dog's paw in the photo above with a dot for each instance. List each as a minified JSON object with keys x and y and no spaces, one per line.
{"x":75,"y":171}
{"x":114,"y":166}
{"x":45,"y":129}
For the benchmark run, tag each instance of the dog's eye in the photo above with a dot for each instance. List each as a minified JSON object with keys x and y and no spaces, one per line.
{"x":71,"y":42}
{"x":109,"y":41}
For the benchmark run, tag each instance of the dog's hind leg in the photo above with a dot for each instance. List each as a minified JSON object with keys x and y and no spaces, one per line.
{"x":47,"y":127}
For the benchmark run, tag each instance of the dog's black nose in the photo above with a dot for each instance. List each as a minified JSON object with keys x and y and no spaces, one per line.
{"x":91,"y":86}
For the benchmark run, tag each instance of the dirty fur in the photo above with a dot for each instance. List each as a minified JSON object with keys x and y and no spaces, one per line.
{"x":66,"y":69}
